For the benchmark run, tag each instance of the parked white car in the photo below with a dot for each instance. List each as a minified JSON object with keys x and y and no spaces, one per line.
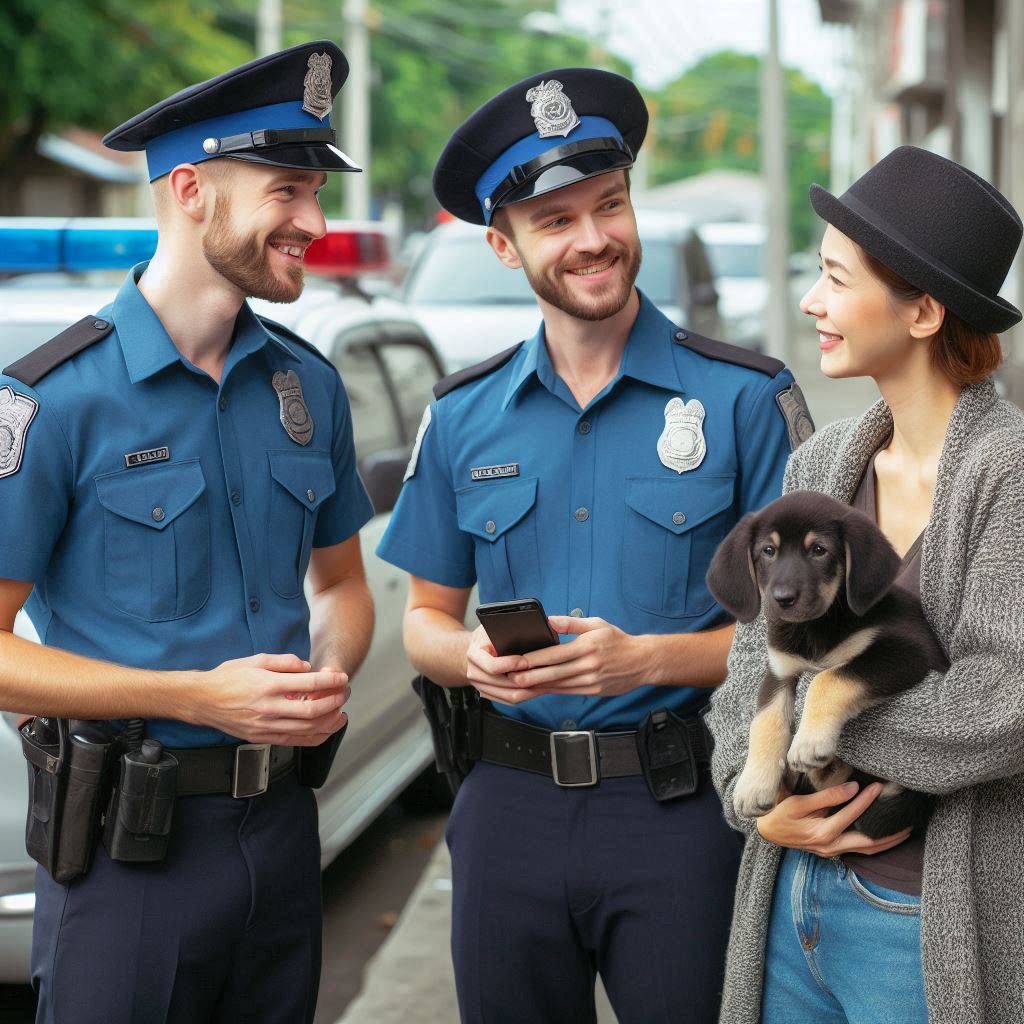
{"x":737,"y":254}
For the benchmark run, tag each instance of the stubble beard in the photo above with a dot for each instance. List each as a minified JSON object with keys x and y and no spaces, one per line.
{"x":244,"y":261}
{"x":553,"y":287}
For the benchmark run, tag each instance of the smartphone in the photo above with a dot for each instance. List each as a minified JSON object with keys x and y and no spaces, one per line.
{"x":517,"y":627}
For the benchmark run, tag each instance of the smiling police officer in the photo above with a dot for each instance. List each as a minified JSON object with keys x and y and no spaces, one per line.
{"x":172,"y":466}
{"x":596,"y":466}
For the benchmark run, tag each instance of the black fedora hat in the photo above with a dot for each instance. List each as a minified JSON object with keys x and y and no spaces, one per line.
{"x":941,"y":227}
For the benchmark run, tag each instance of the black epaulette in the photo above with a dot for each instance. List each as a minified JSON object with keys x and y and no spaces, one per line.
{"x":472,"y":373}
{"x":290,"y":335}
{"x":725,"y":353}
{"x":39,"y":362}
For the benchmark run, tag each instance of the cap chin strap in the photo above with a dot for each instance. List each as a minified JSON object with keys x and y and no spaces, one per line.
{"x":522,"y":173}
{"x":247,"y":142}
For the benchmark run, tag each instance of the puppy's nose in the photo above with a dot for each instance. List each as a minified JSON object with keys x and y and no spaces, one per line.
{"x":785,"y":597}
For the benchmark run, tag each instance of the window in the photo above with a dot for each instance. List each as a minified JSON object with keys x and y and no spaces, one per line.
{"x":373,"y":415}
{"x":414,"y":372}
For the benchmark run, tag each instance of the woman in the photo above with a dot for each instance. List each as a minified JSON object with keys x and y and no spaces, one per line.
{"x":830,"y":926}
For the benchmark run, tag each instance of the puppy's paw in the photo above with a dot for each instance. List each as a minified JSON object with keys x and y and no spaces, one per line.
{"x":809,"y":752}
{"x":757,"y":790}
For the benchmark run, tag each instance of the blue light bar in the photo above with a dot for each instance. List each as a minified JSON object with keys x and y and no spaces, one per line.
{"x":60,"y":244}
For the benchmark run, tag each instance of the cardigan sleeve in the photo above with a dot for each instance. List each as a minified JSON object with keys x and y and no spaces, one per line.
{"x":966,"y":725}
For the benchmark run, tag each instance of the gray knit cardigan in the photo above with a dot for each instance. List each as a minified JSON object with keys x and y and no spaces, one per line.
{"x":959,"y":734}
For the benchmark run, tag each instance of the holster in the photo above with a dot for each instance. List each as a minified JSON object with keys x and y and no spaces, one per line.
{"x":313,"y":764}
{"x":454,"y":714}
{"x":666,"y":755}
{"x":67,"y":781}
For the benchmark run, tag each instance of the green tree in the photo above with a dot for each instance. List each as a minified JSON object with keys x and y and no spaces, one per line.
{"x":97,"y":63}
{"x":709,"y":118}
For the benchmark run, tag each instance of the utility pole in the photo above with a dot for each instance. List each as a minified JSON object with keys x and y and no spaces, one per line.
{"x":355,"y":106}
{"x":773,"y":145}
{"x":268,"y":27}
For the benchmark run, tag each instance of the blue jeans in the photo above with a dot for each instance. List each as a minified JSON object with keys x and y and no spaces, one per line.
{"x":841,"y":950}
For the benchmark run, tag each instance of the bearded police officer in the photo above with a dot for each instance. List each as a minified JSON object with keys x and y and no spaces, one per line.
{"x":178,"y":465}
{"x":595,"y":466}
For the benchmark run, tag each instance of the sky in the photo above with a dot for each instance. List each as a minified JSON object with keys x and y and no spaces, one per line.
{"x":662,"y":38}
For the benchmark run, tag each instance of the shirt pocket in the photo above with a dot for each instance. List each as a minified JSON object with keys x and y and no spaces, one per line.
{"x":156,"y":535}
{"x":301,"y":483}
{"x":500,"y":517}
{"x":671,"y":532}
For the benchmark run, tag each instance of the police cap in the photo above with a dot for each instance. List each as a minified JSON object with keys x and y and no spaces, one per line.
{"x":543,"y":133}
{"x":274,"y":110}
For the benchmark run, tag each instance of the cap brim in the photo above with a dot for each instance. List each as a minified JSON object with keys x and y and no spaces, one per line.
{"x":560,"y":175}
{"x":310,"y":158}
{"x":979,"y":310}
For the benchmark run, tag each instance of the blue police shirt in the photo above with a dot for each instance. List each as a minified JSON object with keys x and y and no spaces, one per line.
{"x":195,"y":559}
{"x":593,"y":522}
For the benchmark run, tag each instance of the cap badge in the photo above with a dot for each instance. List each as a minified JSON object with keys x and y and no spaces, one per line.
{"x":681,"y":445}
{"x":295,"y":416}
{"x":316,"y":87}
{"x":551,"y":110}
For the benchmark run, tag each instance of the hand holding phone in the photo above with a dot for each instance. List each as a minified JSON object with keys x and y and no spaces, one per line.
{"x":516,"y":627}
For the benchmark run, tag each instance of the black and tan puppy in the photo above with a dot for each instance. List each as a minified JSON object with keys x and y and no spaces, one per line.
{"x":823,"y":573}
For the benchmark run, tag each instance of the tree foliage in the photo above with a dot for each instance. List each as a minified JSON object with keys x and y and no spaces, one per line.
{"x":710,"y":118}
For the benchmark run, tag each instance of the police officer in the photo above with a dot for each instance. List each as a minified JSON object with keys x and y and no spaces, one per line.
{"x":168,"y":469}
{"x":595,"y":466}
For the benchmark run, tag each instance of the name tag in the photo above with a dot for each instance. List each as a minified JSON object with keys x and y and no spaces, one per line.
{"x":146,"y":457}
{"x":494,"y":472}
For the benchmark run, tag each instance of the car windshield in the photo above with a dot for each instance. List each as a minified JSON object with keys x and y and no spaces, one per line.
{"x":461,"y":271}
{"x":735,"y":259}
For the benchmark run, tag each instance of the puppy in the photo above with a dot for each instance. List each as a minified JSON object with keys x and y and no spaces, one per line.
{"x":823,"y":573}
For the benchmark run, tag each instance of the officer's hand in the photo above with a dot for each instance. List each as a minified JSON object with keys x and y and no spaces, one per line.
{"x":489,"y":673}
{"x":803,"y":822}
{"x":272,"y":698}
{"x":601,"y":661}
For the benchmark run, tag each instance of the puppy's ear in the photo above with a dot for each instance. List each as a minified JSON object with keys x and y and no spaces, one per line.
{"x":731,"y":576}
{"x":872,"y":564}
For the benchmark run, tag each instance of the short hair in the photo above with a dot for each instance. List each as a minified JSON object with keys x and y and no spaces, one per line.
{"x":964,"y":354}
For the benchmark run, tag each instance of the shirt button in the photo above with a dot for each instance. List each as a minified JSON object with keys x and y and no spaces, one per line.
{"x":585,"y":427}
{"x":223,"y":403}
{"x":490,"y":526}
{"x":236,"y":498}
{"x":254,"y":604}
{"x":311,"y":494}
{"x":568,"y":724}
{"x":159,"y":514}
{"x":678,"y":518}
{"x":582,"y":515}
{"x":577,"y":613}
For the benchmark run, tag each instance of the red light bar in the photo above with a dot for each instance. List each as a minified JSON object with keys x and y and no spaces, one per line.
{"x":348,"y":252}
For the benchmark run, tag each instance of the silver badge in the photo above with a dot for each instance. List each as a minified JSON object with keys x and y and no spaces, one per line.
{"x":16,"y":414}
{"x":295,"y":416}
{"x":316,"y":87}
{"x":681,"y":445}
{"x":410,"y":470}
{"x":551,"y":110}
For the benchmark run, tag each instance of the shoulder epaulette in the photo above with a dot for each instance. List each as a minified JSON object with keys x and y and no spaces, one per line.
{"x":290,"y":335}
{"x":726,"y":353}
{"x":38,"y":363}
{"x":476,"y":372}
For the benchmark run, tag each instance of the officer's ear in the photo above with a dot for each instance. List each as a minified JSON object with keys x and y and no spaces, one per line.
{"x":504,"y":246}
{"x":188,"y":193}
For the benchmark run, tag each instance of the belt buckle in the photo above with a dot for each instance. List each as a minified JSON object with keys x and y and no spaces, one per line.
{"x":572,"y":745}
{"x":252,"y":770}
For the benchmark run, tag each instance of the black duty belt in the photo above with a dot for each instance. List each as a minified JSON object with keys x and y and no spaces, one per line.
{"x":574,"y":757}
{"x":243,"y":770}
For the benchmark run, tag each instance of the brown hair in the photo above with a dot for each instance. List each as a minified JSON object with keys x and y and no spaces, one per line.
{"x":963,"y":353}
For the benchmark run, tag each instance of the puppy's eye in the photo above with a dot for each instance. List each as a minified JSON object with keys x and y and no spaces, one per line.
{"x":768,"y":550}
{"x":817,"y":550}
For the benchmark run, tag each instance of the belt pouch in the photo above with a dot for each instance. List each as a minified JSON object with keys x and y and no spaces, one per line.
{"x":44,"y":744}
{"x":314,"y":763}
{"x":138,"y":820}
{"x":666,"y":755}
{"x":449,"y":713}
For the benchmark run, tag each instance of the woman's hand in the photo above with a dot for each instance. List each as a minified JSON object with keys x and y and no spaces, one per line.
{"x":803,"y":822}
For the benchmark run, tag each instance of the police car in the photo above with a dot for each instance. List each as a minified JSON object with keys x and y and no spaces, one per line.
{"x":389,"y":368}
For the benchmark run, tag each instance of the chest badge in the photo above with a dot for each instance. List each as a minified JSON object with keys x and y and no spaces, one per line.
{"x":16,"y":414}
{"x":681,"y":446}
{"x":295,"y":416}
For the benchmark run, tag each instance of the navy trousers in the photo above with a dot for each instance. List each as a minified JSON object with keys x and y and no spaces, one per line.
{"x":553,"y":885}
{"x":226,"y":929}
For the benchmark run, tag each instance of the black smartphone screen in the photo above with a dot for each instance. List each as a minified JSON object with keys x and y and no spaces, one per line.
{"x":517,"y":627}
